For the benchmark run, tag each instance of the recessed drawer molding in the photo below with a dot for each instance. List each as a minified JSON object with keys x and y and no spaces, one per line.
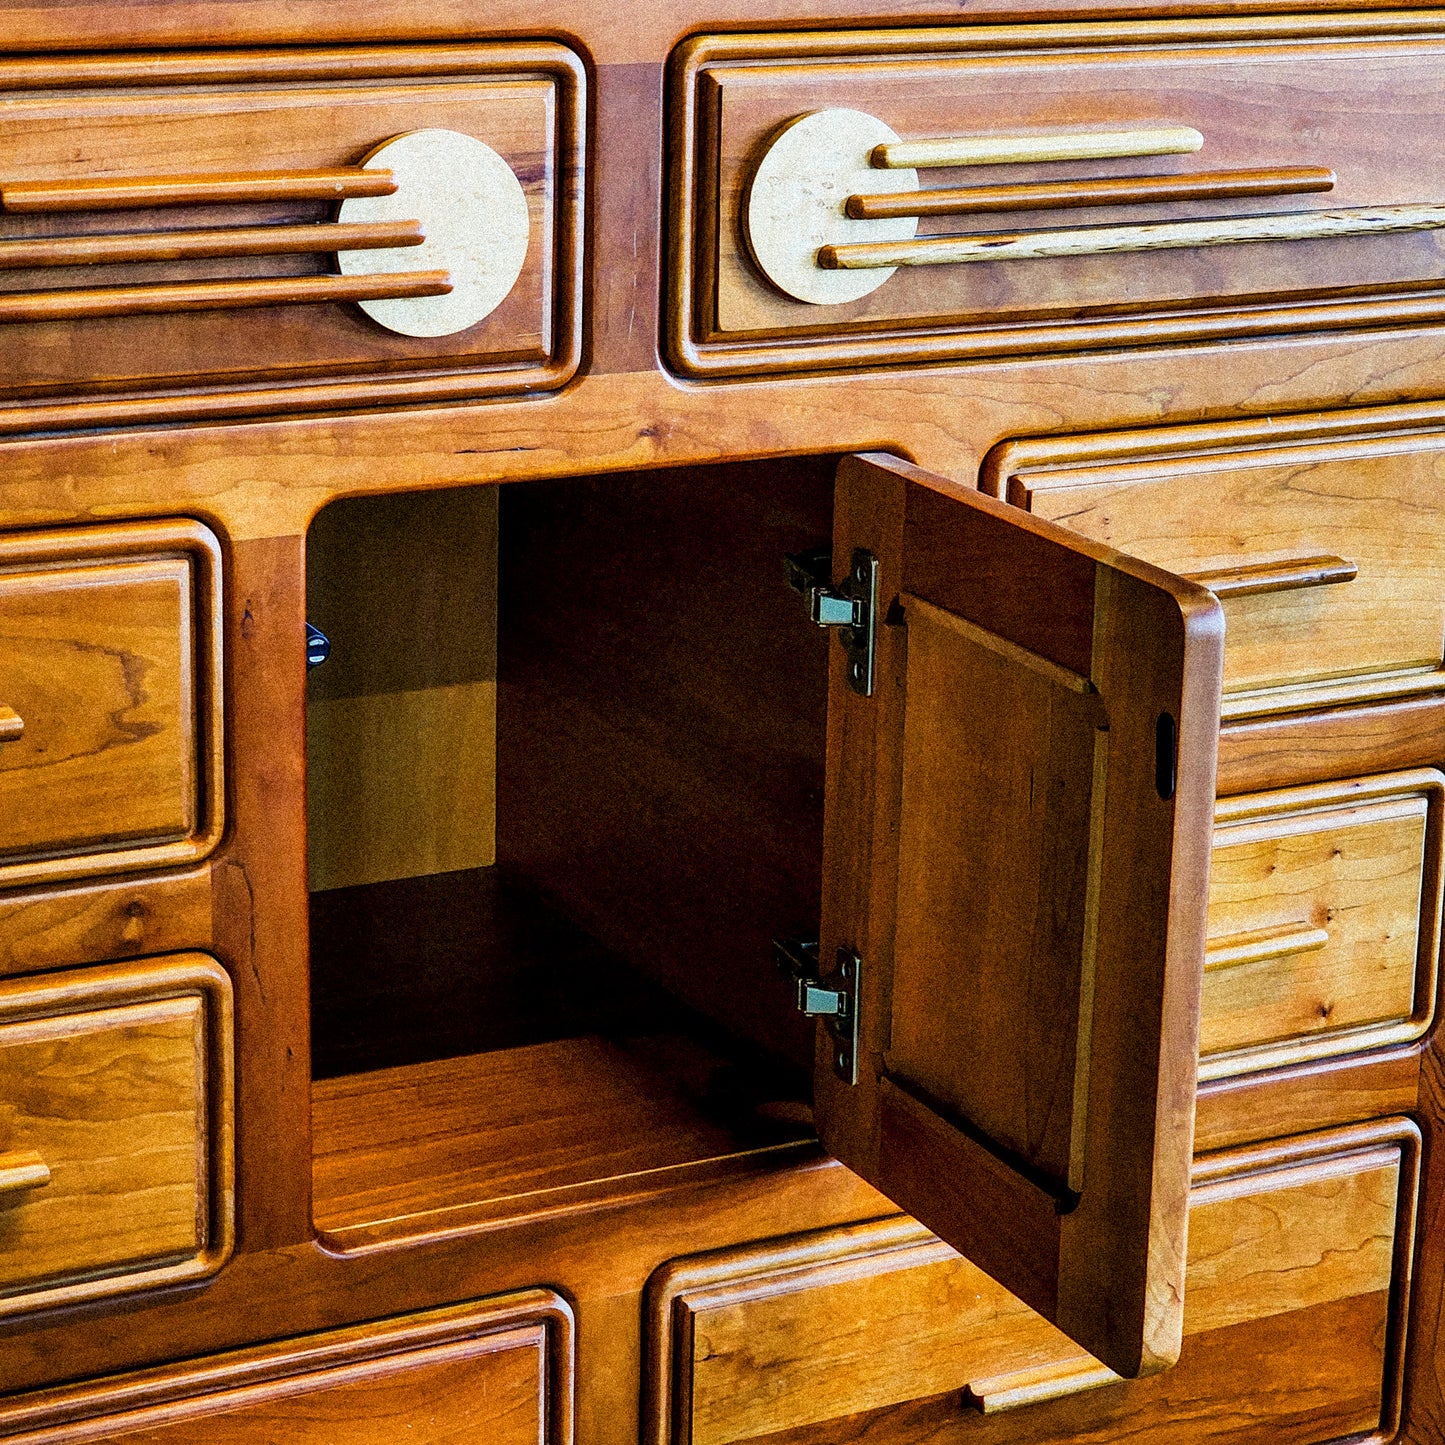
{"x":110,"y":699}
{"x":496,"y":1371}
{"x":116,"y":1167}
{"x":266,"y":231}
{"x":1324,"y":921}
{"x":920,"y":195}
{"x":1323,"y":536}
{"x":1299,"y":1266}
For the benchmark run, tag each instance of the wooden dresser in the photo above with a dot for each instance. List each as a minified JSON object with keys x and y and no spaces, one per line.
{"x":721,"y":725}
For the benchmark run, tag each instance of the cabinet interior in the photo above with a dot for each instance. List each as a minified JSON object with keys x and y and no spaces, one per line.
{"x":565,"y":784}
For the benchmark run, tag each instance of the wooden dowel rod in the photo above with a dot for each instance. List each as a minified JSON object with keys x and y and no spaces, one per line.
{"x":12,"y":725}
{"x":1283,"y":941}
{"x":21,"y":1171}
{"x":1114,"y":191}
{"x":218,"y":295}
{"x":121,"y":193}
{"x":208,"y":245}
{"x":1007,"y":150}
{"x":1289,"y":576}
{"x":1106,"y":240}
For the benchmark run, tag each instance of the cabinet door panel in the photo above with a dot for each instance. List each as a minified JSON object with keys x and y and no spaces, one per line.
{"x":1017,"y":845}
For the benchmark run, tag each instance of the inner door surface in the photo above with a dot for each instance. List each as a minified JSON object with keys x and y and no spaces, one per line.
{"x":1017,"y":849}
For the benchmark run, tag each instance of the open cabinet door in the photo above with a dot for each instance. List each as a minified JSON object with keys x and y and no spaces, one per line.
{"x":1018,"y":828}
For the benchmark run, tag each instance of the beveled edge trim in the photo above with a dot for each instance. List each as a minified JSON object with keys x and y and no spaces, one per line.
{"x":892,"y":1242}
{"x":148,"y":980}
{"x":1271,"y":803}
{"x":447,"y":384}
{"x":1228,"y":1165}
{"x":899,"y":1242}
{"x":67,"y":546}
{"x":99,"y":1409}
{"x":898,"y":343}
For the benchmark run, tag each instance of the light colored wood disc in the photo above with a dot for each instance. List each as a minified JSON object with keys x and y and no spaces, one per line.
{"x":796,"y":200}
{"x":474,"y":213}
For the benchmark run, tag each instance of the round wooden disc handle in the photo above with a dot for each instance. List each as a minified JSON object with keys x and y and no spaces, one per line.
{"x":20,"y":1172}
{"x":12,"y":725}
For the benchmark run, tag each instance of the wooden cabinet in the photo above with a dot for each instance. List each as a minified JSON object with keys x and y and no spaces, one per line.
{"x":116,"y":1152}
{"x":609,"y":941}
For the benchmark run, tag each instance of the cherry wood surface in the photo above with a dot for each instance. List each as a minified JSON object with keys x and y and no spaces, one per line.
{"x":499,"y":1369}
{"x":736,"y":1337}
{"x":1006,"y":1095}
{"x":257,"y":482}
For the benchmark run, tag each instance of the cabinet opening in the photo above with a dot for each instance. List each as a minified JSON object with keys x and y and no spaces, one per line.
{"x":565,"y":785}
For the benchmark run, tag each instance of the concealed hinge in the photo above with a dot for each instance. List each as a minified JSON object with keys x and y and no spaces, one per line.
{"x":851,"y":606}
{"x":832,"y":997}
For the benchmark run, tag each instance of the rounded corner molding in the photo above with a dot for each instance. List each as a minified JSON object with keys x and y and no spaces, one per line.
{"x":477,"y":228}
{"x":795,"y":204}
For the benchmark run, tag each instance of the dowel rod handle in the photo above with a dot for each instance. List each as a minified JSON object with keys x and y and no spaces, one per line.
{"x":218,"y":295}
{"x":117,"y":193}
{"x":21,"y":1170}
{"x":219,"y":244}
{"x":1109,"y":191}
{"x":1004,"y":150}
{"x":1295,"y":573}
{"x":12,"y":725}
{"x":1111,"y":240}
{"x":1282,"y":941}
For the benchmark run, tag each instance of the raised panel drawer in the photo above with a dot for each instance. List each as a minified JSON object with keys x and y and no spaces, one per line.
{"x":1324,"y":921}
{"x":895,"y":196}
{"x":213,"y":233}
{"x":110,"y":685}
{"x":1299,"y":1258}
{"x":1323,"y":536}
{"x":494,"y":1372}
{"x":116,"y":1170}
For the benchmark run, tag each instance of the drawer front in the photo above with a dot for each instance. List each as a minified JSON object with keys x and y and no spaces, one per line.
{"x":1324,"y":921}
{"x":251,"y":228}
{"x":115,"y":1130}
{"x":1293,"y":1249}
{"x":932,"y":193}
{"x":110,"y":668}
{"x":1324,"y":538}
{"x":497,"y":1371}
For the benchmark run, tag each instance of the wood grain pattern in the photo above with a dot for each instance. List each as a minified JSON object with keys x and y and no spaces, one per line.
{"x":1324,"y":915}
{"x":110,"y":649}
{"x":1105,"y":191}
{"x":123,"y":193}
{"x":117,"y":1083}
{"x":1022,"y":149}
{"x":1041,"y":245}
{"x":731,"y":92}
{"x":18,"y":308}
{"x":497,"y":1370}
{"x":94,"y":347}
{"x":614,"y":1125}
{"x":1260,"y":500}
{"x":1126,"y":1110}
{"x":887,"y":1314}
{"x":401,"y":720}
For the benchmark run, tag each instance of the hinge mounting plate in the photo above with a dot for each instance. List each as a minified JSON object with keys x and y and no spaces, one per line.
{"x":851,"y":606}
{"x":832,"y":997}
